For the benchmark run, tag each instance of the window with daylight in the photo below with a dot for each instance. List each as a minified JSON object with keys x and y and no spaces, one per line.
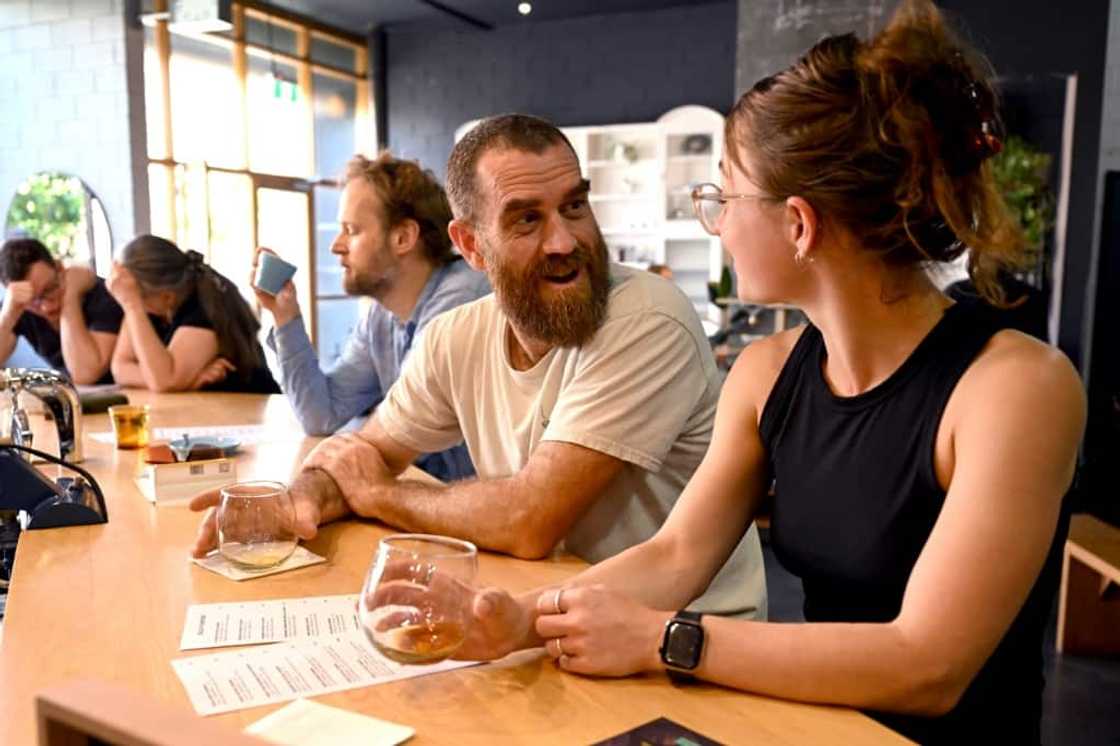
{"x":248,"y":131}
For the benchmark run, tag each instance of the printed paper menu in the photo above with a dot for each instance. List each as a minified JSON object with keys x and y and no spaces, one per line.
{"x":255,"y":622}
{"x":250,"y":677}
{"x":246,"y":434}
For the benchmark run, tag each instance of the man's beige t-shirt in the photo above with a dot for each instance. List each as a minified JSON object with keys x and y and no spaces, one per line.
{"x":643,"y":390}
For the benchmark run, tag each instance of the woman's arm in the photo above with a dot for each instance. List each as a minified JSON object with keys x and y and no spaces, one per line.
{"x":1014,"y":425}
{"x":174,"y":367}
{"x":124,"y":366}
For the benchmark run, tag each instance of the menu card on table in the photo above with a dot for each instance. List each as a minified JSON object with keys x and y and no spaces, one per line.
{"x":254,"y":622}
{"x":250,"y":677}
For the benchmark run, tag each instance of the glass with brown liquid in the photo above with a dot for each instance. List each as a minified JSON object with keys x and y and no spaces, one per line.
{"x":416,"y":604}
{"x":130,"y":425}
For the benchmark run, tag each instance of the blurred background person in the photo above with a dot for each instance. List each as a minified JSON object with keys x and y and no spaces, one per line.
{"x":186,"y":326}
{"x":65,"y":313}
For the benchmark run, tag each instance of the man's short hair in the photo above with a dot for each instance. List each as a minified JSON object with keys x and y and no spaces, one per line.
{"x":18,"y":254}
{"x":409,"y":192}
{"x":513,"y":131}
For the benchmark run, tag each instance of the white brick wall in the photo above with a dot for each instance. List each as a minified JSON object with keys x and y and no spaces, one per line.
{"x":63,"y":83}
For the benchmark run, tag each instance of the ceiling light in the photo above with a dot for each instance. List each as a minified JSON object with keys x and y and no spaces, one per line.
{"x":524,"y":8}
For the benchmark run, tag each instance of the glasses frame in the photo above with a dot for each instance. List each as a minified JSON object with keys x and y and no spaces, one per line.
{"x":718,"y":195}
{"x":49,"y":291}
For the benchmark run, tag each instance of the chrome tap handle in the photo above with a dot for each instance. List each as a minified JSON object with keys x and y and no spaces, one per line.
{"x":21,"y":430}
{"x":58,"y":394}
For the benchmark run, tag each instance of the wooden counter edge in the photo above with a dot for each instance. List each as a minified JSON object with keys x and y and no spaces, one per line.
{"x":69,"y":714}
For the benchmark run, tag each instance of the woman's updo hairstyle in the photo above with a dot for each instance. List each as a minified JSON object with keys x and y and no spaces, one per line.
{"x":888,"y":138}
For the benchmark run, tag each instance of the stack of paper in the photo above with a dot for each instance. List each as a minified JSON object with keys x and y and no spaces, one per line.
{"x":323,"y":650}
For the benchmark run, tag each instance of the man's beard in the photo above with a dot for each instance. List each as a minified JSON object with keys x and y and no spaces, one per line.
{"x":372,"y":284}
{"x":369,"y":285}
{"x":570,"y":316}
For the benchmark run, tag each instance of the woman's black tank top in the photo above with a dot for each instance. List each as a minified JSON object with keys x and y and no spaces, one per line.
{"x":856,"y":498}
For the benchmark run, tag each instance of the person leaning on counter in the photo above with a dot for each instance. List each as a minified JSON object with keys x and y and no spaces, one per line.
{"x":920,"y":453}
{"x":186,"y":326}
{"x":65,"y":313}
{"x":394,"y":249}
{"x":585,"y":392}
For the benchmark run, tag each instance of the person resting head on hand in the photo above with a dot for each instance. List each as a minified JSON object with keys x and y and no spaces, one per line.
{"x":65,"y":313}
{"x":186,"y":327}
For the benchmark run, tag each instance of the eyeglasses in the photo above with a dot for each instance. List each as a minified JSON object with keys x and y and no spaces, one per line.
{"x":708,"y":201}
{"x":48,"y":292}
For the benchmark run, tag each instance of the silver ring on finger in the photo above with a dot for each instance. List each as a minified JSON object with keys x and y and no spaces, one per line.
{"x":559,"y":651}
{"x":556,"y":601}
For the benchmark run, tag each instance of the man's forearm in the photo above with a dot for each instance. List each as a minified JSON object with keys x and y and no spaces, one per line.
{"x":8,"y":336}
{"x":7,"y":343}
{"x":324,"y":492}
{"x":79,"y":348}
{"x":487,"y":513}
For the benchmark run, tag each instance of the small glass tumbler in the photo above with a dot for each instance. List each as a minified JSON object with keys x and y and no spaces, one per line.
{"x":256,"y":525}
{"x":130,"y":425}
{"x":416,"y":604}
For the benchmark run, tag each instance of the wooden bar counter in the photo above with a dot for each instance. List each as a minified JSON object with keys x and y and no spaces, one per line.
{"x":108,"y":603}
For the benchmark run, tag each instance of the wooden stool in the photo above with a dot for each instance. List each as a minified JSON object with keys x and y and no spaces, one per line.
{"x":1089,"y":600}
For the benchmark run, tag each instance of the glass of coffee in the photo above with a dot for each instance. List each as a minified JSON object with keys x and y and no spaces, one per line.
{"x":130,"y":425}
{"x":416,"y":604}
{"x":256,"y":524}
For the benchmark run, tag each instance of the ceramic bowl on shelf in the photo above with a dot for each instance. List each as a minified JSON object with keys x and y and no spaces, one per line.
{"x":697,"y":145}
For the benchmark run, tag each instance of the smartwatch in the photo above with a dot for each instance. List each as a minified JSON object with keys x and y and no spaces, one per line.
{"x":681,"y":645}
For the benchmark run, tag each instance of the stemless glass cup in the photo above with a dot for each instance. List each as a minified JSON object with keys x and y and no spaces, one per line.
{"x":256,"y":524}
{"x":130,"y":425}
{"x":416,"y":604}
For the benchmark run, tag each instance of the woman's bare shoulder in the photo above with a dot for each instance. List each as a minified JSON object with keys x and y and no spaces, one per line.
{"x":759,"y":364}
{"x":1015,"y":369}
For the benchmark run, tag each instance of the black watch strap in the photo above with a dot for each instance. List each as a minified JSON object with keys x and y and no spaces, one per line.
{"x":678,"y":676}
{"x":686,"y":623}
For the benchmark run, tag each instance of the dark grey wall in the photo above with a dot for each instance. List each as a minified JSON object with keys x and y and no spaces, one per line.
{"x":1036,"y":37}
{"x":1022,"y":38}
{"x":774,"y":33}
{"x":626,"y":67}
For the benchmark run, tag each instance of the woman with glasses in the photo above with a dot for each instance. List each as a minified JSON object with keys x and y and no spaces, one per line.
{"x":186,"y":327}
{"x":64,"y":313}
{"x":918,"y":453}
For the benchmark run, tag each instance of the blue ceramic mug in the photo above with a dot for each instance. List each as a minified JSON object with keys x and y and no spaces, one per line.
{"x":272,"y":273}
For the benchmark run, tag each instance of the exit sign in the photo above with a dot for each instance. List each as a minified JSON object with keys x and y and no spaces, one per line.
{"x":201,"y":16}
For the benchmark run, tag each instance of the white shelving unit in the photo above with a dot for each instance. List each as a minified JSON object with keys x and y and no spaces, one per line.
{"x":641,"y":182}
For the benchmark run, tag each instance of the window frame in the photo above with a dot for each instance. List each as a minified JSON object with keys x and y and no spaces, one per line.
{"x":240,"y":49}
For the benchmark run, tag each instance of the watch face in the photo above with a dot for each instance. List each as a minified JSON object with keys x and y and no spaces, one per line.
{"x":683,"y":644}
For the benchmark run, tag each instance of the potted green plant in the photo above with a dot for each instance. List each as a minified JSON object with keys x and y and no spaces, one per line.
{"x":1020,"y":171}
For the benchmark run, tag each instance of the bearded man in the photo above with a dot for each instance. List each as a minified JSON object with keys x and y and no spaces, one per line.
{"x":585,"y":392}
